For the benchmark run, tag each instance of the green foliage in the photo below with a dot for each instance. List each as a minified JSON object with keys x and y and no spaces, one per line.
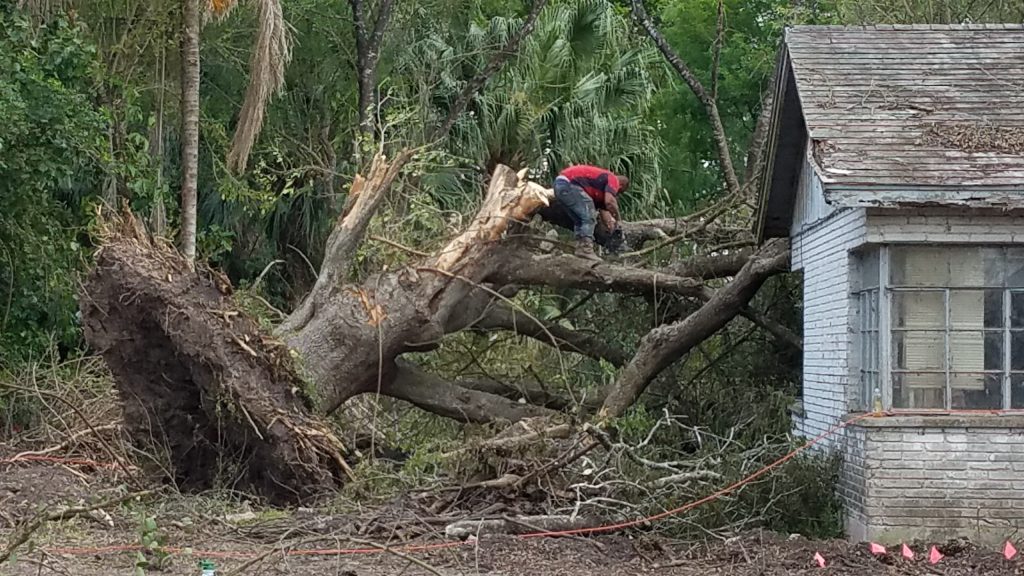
{"x":52,"y":149}
{"x":578,"y":91}
{"x":152,"y":556}
{"x":928,"y":11}
{"x":749,"y":47}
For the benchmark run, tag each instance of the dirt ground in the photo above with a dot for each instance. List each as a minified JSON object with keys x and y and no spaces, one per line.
{"x":257,"y":545}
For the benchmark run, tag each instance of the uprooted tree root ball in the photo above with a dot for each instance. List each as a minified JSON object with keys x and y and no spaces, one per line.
{"x":204,"y":390}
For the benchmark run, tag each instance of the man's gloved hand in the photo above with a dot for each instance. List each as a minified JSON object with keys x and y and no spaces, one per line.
{"x":617,"y":242}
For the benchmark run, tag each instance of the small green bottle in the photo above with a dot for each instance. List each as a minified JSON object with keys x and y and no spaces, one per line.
{"x":207,"y":568}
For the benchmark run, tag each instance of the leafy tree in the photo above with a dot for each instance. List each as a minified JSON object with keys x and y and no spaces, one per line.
{"x":52,"y":148}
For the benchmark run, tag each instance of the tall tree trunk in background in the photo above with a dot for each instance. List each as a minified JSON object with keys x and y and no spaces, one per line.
{"x":369,"y":35}
{"x":189,"y":125}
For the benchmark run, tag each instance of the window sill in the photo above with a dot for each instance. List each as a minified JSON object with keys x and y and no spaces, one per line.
{"x":940,"y":420}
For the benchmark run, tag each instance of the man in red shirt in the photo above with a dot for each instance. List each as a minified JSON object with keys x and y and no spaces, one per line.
{"x":582,"y":194}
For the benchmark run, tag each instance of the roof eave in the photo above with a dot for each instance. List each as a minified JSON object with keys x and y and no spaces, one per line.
{"x":859,"y":195}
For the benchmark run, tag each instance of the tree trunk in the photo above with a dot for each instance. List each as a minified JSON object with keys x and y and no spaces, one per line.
{"x":190,"y":26}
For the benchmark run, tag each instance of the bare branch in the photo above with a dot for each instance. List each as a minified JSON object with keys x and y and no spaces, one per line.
{"x":664,"y":345}
{"x":721,"y":141}
{"x":774,"y":328}
{"x":496,"y":62}
{"x":716,"y":57}
{"x":25,"y":531}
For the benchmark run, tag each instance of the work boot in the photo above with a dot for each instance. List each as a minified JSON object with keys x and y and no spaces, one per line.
{"x":585,"y":249}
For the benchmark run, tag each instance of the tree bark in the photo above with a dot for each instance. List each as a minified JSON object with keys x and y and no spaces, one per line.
{"x":369,"y":40}
{"x":190,"y":27}
{"x":353,"y":335}
{"x":564,"y":271}
{"x":463,"y":404}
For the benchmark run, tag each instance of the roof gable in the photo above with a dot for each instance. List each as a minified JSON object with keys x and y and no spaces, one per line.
{"x":921,"y":114}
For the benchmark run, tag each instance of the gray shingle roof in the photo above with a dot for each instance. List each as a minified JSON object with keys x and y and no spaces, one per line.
{"x":929,"y":106}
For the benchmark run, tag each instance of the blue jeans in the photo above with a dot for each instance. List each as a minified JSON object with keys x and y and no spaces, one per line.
{"x":578,"y":206}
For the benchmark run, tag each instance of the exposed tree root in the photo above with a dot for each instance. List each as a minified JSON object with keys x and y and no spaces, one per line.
{"x":200,"y":383}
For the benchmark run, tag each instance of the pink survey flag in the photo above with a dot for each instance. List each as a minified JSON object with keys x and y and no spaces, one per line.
{"x":1009,"y":551}
{"x":819,"y":559}
{"x":877,"y":549}
{"x":907,"y":552}
{"x":934,"y":556}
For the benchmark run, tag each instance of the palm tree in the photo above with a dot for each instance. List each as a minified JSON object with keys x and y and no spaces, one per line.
{"x":270,"y":54}
{"x":130,"y":53}
{"x":190,"y":28}
{"x":577,"y":92}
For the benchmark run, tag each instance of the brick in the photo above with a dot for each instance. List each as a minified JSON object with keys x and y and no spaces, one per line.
{"x":915,"y":437}
{"x":1004,"y":475}
{"x":993,"y":466}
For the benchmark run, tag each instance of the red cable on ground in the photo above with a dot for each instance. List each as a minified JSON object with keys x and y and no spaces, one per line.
{"x":446,"y":545}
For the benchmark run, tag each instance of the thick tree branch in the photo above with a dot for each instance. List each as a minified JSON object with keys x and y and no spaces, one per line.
{"x":664,"y":345}
{"x":368,"y":48}
{"x":439,"y":396}
{"x":503,"y":317}
{"x":756,"y":152}
{"x":535,"y":394}
{"x":565,"y":271}
{"x":717,"y":128}
{"x":496,"y":62}
{"x":712,"y":266}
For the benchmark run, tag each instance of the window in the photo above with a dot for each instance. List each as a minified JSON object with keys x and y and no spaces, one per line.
{"x":867,"y":299}
{"x":950,"y":320}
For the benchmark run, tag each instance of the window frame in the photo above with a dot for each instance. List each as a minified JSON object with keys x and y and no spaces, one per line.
{"x":883,"y":368}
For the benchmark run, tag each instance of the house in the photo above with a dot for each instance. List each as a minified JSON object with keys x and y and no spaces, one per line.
{"x":895,"y":165}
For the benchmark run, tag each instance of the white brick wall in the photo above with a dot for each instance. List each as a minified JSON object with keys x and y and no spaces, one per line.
{"x":822,"y":251}
{"x":903,"y":482}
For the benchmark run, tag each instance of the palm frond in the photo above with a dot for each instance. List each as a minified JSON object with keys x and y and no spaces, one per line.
{"x":270,"y":55}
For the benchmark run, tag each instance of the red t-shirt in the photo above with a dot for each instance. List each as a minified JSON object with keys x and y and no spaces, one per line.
{"x":594,"y":181}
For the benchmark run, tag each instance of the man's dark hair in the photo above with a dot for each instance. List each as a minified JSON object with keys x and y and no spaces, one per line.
{"x":623,"y":183}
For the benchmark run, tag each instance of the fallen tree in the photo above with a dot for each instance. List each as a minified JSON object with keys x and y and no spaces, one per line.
{"x":199,"y":379}
{"x":198,"y":375}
